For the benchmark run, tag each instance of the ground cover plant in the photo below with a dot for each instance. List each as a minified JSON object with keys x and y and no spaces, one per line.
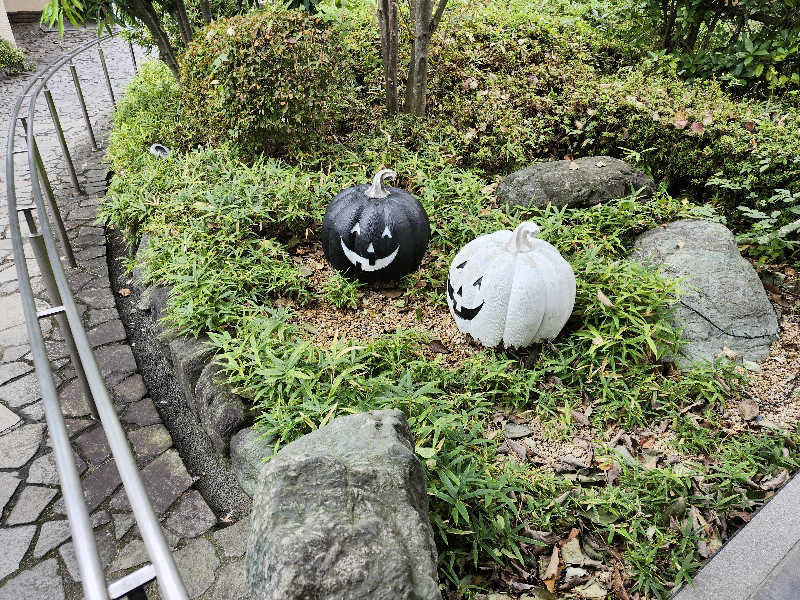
{"x":662,"y":468}
{"x":13,"y":60}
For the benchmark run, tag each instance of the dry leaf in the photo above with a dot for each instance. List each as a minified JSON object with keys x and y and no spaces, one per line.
{"x":437,"y":347}
{"x":124,"y":292}
{"x":600,"y":164}
{"x":568,"y":157}
{"x":748,"y":409}
{"x":489,"y":189}
{"x":392,"y":293}
{"x":551,"y":572}
{"x":604,"y":299}
{"x":573,"y":166}
{"x":750,"y":126}
{"x":596,"y":341}
{"x":708,"y":118}
{"x":774,"y":483}
{"x":697,"y":128}
{"x":680,"y":120}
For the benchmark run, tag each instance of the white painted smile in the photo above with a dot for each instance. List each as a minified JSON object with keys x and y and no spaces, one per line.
{"x":360,"y":261}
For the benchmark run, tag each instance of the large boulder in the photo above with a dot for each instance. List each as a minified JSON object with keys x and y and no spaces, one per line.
{"x":248,"y":449}
{"x":723,"y":303}
{"x":582,"y":182}
{"x":343,"y":513}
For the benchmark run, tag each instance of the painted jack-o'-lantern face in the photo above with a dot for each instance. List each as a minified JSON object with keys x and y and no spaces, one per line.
{"x":375,"y":234}
{"x":510,"y":287}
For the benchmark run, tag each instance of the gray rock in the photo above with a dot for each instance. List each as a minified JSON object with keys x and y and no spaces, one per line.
{"x":221,"y":413}
{"x":106,"y":549}
{"x":513,"y":431}
{"x":30,"y":504}
{"x":165,"y":479}
{"x":107,"y":333}
{"x":723,"y":303}
{"x":100,"y":483}
{"x":18,"y":446}
{"x":93,"y":445}
{"x":8,"y":485}
{"x":197,"y":563}
{"x":343,"y":513}
{"x":159,"y":297}
{"x":248,"y":451}
{"x":43,"y":469}
{"x":122,"y":523}
{"x":51,"y":534}
{"x":191,"y":516}
{"x":131,"y":389}
{"x":21,"y":391}
{"x":133,"y":554}
{"x":15,"y":353}
{"x":188,"y":357}
{"x":42,"y":582}
{"x":14,"y":541}
{"x":582,"y":182}
{"x":74,"y":402}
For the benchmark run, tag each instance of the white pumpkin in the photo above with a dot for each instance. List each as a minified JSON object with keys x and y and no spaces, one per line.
{"x":510,"y":287}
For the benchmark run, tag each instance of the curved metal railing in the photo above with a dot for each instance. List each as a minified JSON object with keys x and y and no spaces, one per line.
{"x":64,"y":310}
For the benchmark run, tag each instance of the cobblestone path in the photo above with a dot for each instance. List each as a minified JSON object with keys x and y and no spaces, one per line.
{"x":38,"y":559}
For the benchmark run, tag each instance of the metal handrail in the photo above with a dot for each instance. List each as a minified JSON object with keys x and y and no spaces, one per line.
{"x":83,"y":360}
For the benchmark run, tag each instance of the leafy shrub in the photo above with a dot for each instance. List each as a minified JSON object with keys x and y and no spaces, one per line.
{"x":13,"y":60}
{"x":266,"y":81}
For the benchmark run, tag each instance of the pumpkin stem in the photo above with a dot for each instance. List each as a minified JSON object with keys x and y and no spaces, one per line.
{"x":524,"y":234}
{"x":376,"y":190}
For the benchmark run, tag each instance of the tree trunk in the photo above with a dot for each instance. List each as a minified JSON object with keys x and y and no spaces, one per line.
{"x":387,"y":19}
{"x":185,"y":27}
{"x":144,"y":12}
{"x":205,"y":8}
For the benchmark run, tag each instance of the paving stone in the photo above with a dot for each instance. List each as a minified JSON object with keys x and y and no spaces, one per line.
{"x":131,"y":389}
{"x":10,"y":307}
{"x":107,"y":333}
{"x":73,"y":401}
{"x":231,"y":583}
{"x":165,"y":479}
{"x":197,"y":563}
{"x":78,"y":279}
{"x":13,"y":370}
{"x":43,"y":469}
{"x":116,"y":359}
{"x":33,"y":411}
{"x":233,"y":540}
{"x":191,"y":516}
{"x":7,"y":418}
{"x":18,"y":446}
{"x":8,"y":485}
{"x":96,"y":298}
{"x":15,"y":352}
{"x":17,"y":335}
{"x":106,"y":549}
{"x":99,"y":483}
{"x":93,"y":445}
{"x":131,"y":555}
{"x":150,"y":441}
{"x":141,"y":413}
{"x":77,"y":425}
{"x":30,"y":503}
{"x":14,"y":541}
{"x":102,"y":315}
{"x":122,"y":523}
{"x":51,"y":534}
{"x":42,"y":582}
{"x":21,"y":391}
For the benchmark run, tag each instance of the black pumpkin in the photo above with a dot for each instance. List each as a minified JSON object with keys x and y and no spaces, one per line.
{"x":373,"y":233}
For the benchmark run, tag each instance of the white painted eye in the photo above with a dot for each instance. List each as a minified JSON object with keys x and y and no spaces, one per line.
{"x":371,"y":248}
{"x":386,"y":232}
{"x":356,"y":229}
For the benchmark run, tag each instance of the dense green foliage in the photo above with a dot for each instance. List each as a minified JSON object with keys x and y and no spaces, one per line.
{"x":512,"y":82}
{"x":13,"y":60}
{"x":511,"y":85}
{"x":267,"y":81}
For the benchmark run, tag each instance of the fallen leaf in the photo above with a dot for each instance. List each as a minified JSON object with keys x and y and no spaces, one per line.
{"x":489,"y":189}
{"x":550,"y":574}
{"x":680,"y":120}
{"x":748,"y":409}
{"x":437,"y":347}
{"x":124,"y":292}
{"x":568,"y":157}
{"x":600,"y":164}
{"x":604,"y":299}
{"x":392,"y":293}
{"x":573,"y":166}
{"x":750,"y":126}
{"x":597,"y":340}
{"x":775,"y":482}
{"x":727,"y":353}
{"x":697,"y":128}
{"x":708,"y":118}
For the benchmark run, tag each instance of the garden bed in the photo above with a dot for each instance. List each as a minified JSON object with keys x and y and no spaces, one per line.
{"x":596,"y":439}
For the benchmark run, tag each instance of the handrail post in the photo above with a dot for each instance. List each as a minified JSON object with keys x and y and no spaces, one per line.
{"x":108,"y":79}
{"x":39,"y":169}
{"x":133,"y":57}
{"x":40,"y":253}
{"x":62,"y":141}
{"x":77,"y":82}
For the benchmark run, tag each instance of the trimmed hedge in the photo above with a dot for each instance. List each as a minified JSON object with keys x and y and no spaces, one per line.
{"x":267,"y":81}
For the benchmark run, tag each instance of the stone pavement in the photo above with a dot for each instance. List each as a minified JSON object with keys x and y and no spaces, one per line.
{"x":38,"y":562}
{"x":762,"y":561}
